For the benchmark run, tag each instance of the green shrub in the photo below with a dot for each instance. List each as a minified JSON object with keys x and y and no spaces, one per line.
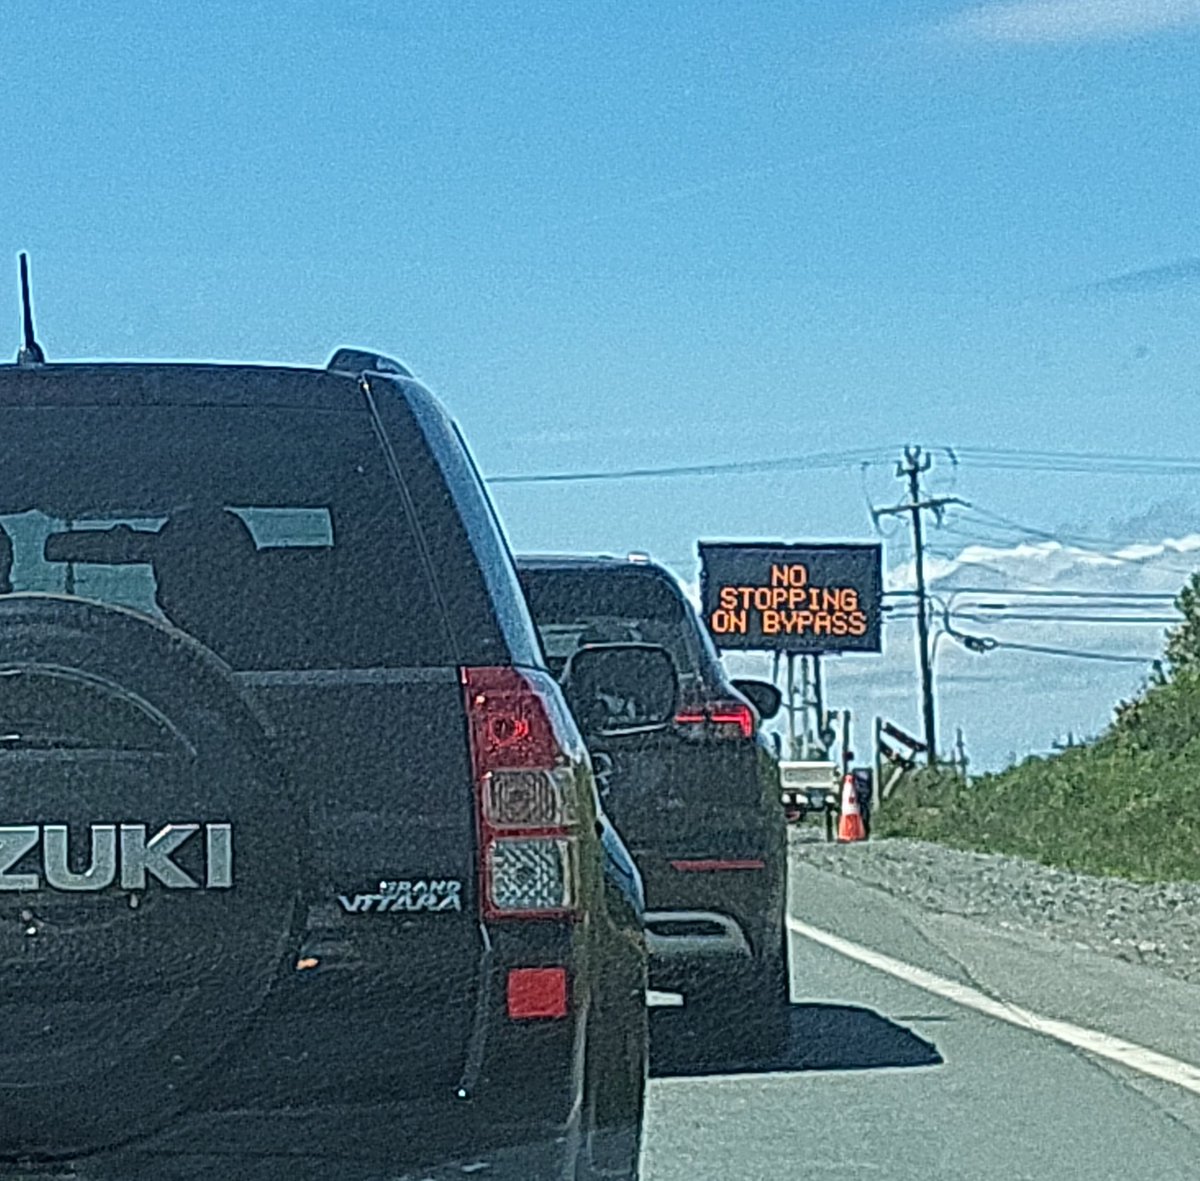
{"x":1127,"y":804}
{"x":1120,"y":806}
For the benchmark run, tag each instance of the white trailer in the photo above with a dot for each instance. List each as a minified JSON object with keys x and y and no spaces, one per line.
{"x":809,"y":785}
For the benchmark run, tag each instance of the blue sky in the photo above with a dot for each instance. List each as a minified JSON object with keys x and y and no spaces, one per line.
{"x":623,"y":235}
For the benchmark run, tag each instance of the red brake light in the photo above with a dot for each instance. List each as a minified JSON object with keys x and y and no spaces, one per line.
{"x":736,"y":715}
{"x":522,"y":751}
{"x":724,"y":719}
{"x":510,"y":724}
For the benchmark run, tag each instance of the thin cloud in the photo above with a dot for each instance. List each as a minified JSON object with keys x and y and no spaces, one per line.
{"x":1183,"y":273}
{"x":1040,"y":22}
{"x":1162,"y":518}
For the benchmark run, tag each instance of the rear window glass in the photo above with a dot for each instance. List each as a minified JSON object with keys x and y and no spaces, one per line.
{"x":575,"y":607}
{"x":275,"y":537}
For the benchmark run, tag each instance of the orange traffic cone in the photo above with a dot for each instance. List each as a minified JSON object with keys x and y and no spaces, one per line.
{"x":850,"y":826}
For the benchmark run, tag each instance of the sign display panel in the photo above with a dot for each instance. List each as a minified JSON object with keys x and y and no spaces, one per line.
{"x":808,"y":599}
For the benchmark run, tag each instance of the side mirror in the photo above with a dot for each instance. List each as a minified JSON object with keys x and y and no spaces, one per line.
{"x":616,"y":689}
{"x":765,"y":698}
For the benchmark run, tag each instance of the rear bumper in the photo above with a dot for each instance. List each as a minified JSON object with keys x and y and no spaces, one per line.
{"x":673,"y":935}
{"x":689,"y":947}
{"x":350,"y":1028}
{"x":342,"y":1140}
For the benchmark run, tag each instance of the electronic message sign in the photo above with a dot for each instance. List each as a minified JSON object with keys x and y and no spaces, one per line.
{"x":793,"y":598}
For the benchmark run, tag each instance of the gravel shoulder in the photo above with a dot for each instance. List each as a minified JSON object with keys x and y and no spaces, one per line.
{"x":1157,"y":925}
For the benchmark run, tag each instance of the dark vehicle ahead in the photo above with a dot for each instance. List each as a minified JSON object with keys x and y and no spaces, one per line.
{"x":697,"y":803}
{"x":295,"y":821}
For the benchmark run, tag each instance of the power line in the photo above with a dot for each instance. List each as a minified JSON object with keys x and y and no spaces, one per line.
{"x":1031,"y":530}
{"x":816,"y":462}
{"x":983,"y":644}
{"x":899,"y":615}
{"x":1051,"y":605}
{"x":1074,"y":653}
{"x":989,"y":535}
{"x":1019,"y":459}
{"x":990,"y":643}
{"x":1064,"y":536}
{"x":1056,"y":592}
{"x":1006,"y":459}
{"x":1064,"y":617}
{"x":1066,"y":462}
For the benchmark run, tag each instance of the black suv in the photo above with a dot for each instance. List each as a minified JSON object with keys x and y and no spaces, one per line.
{"x":697,"y":802}
{"x":300,"y":852}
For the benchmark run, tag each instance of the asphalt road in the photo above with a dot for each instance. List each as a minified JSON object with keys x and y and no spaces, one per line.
{"x":918,"y":1064}
{"x":886,"y":1079}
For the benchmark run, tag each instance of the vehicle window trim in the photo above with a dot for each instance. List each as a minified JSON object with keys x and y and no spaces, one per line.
{"x":505,"y":599}
{"x":409,"y":508}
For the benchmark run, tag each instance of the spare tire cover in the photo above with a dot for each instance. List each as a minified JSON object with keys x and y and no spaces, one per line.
{"x":148,"y":872}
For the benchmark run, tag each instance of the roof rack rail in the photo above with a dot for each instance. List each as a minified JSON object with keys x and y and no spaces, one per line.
{"x":356,"y":361}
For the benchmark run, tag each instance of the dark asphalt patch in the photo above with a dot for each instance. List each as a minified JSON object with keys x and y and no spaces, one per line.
{"x":820,"y":1037}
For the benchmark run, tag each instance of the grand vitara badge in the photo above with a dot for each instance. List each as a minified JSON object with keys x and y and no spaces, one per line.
{"x":424,"y":894}
{"x":121,"y":854}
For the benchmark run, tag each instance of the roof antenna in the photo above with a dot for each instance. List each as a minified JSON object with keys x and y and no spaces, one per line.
{"x":30,"y":352}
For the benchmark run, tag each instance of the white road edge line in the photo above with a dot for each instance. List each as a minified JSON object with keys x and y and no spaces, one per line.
{"x":1103,"y":1045}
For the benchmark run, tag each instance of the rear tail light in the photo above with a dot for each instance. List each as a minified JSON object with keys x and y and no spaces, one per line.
{"x":722,"y":720}
{"x":526,"y":792}
{"x":527,"y":874}
{"x":529,"y":799}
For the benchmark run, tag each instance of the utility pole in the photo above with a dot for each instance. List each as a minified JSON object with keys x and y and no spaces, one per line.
{"x":806,"y":727}
{"x":877,"y":760}
{"x":791,"y":704}
{"x":915,"y":464}
{"x":818,"y":704}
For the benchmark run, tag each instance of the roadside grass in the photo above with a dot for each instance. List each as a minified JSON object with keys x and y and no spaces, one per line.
{"x":1127,"y":805}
